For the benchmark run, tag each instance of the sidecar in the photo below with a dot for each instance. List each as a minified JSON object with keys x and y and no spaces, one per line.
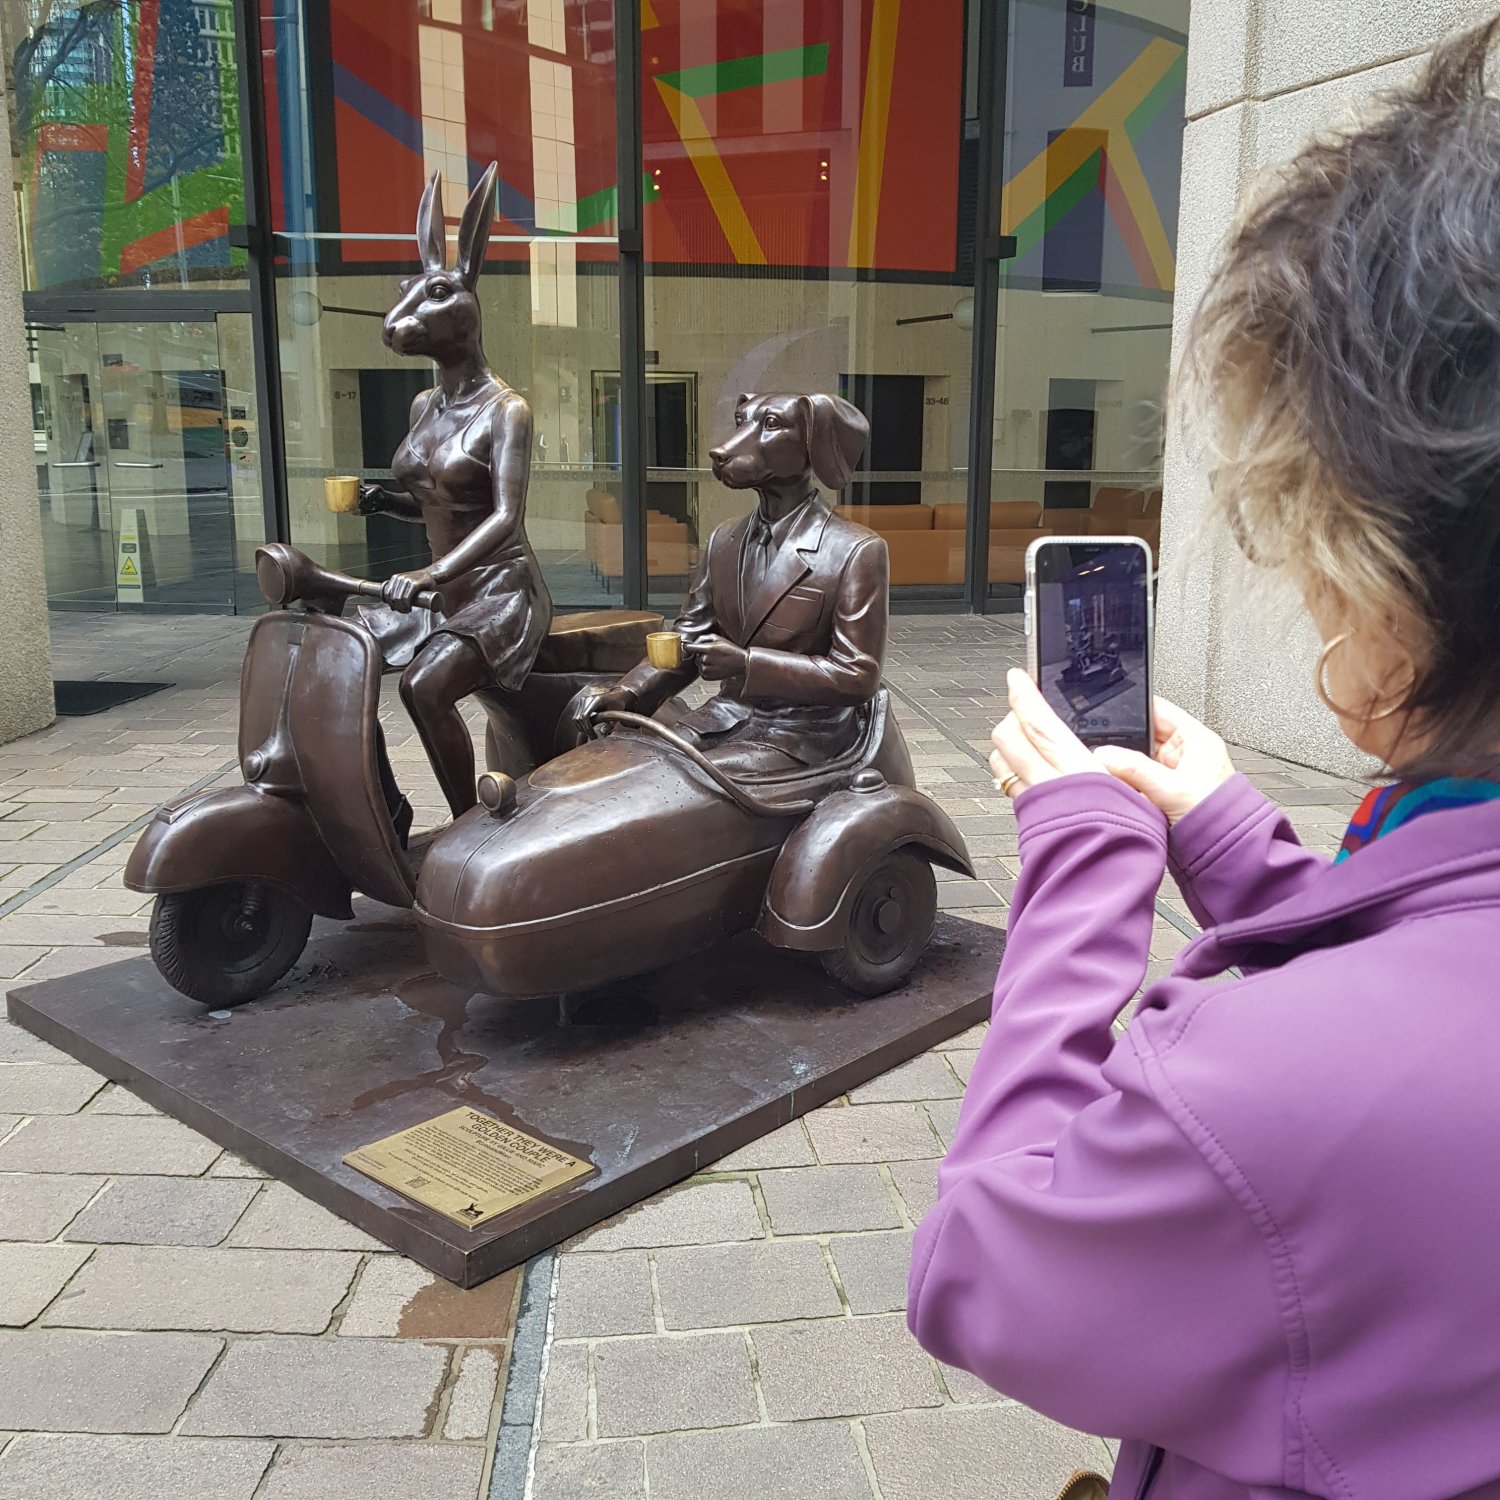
{"x":634,"y":850}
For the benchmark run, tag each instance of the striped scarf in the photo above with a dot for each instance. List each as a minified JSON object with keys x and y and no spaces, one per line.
{"x":1387,"y":808}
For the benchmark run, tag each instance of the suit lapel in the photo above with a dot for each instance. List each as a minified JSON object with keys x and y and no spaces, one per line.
{"x":788,"y":566}
{"x":724,"y":575}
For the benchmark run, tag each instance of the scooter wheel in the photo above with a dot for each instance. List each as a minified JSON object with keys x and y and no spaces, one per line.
{"x":890,"y":925}
{"x":225,"y":944}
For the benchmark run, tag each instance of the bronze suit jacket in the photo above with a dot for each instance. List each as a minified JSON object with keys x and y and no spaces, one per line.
{"x":815,"y":632}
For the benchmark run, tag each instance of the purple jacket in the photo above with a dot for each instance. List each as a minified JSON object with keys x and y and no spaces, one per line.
{"x":1261,"y":1231}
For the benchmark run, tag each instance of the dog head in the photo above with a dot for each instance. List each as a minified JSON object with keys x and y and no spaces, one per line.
{"x":781,"y":437}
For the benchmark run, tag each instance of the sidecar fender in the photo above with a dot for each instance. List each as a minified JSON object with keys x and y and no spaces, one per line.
{"x":817,"y":874}
{"x":238,"y":833}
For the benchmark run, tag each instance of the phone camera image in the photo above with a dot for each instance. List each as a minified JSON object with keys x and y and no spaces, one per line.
{"x":1092,"y":635}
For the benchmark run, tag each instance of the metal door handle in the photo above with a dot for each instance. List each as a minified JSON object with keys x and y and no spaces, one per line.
{"x":79,"y":463}
{"x":125,"y":464}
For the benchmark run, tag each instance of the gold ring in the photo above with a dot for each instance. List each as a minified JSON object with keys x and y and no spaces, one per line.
{"x":1007,"y":783}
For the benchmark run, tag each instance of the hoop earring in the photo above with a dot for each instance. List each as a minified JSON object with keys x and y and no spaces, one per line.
{"x":1324,"y":657}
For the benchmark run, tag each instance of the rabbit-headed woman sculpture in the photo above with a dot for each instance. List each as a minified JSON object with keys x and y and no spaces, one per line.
{"x":462,"y":469}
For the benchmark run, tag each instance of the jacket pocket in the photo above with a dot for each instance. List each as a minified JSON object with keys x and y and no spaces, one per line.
{"x":797,"y":610}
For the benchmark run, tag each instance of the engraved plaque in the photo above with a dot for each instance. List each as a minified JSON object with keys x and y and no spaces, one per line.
{"x":468,"y":1166}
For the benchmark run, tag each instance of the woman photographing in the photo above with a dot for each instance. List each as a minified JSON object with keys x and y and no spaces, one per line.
{"x":1256,"y":1236}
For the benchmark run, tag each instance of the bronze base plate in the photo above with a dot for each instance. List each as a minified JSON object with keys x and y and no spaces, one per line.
{"x":651,"y":1080}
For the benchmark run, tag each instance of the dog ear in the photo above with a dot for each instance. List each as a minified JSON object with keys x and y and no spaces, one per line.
{"x":741,"y":402}
{"x":431,"y":227}
{"x":474,"y":231}
{"x":836,"y":432}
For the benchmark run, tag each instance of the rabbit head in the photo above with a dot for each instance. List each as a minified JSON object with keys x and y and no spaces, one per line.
{"x":437,"y":313}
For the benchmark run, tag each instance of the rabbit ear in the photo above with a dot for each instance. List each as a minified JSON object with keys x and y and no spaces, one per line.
{"x":431,"y":226}
{"x":474,"y":231}
{"x":836,"y":432}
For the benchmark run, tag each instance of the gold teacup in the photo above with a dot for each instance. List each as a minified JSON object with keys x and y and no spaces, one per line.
{"x":341,"y":493}
{"x":664,"y":650}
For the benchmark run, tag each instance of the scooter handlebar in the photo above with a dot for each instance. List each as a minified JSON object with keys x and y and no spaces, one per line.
{"x":427,"y":599}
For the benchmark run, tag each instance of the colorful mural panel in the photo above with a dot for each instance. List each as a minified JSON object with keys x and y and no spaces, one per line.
{"x":127,"y":120}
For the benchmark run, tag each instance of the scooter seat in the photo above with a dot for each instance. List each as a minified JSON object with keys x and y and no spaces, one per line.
{"x":597,"y":640}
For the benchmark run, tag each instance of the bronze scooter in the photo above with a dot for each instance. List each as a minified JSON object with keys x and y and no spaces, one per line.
{"x":239,"y":873}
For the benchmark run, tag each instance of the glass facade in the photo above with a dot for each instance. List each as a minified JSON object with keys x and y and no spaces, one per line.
{"x":821,"y":194}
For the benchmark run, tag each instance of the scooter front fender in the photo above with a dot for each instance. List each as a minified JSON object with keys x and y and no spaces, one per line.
{"x":239,"y":833}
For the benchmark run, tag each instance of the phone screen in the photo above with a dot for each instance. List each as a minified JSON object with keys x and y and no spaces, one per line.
{"x":1091,"y":615}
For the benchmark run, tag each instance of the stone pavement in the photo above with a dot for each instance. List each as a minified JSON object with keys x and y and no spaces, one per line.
{"x":174,"y":1325}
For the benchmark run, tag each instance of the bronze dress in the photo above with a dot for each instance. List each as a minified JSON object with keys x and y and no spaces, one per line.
{"x":500,"y":604}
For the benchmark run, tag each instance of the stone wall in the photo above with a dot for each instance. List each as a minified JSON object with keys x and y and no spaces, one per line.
{"x":1262,"y":75}
{"x":26,"y":676}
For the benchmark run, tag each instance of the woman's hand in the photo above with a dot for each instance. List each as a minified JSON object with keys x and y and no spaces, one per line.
{"x":1191,"y":762}
{"x":1032,"y":744}
{"x":400,"y":589}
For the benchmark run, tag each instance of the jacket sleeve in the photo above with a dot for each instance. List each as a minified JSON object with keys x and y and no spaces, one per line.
{"x":1083,"y":1256}
{"x":652,"y":686}
{"x":849,"y":672}
{"x":1236,"y":855}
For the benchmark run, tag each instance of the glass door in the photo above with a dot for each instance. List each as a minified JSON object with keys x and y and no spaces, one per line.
{"x":142,"y":452}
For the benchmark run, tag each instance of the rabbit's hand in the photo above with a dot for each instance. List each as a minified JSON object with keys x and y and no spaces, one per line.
{"x":401,"y":588}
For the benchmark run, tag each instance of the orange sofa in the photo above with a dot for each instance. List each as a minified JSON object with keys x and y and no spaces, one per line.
{"x":926,"y":542}
{"x":669,"y":552}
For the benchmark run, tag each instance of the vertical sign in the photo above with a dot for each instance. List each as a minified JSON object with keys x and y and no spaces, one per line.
{"x":130,"y":586}
{"x":1078,"y":52}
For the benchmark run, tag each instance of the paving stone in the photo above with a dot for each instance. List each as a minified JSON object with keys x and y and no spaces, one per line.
{"x":37,"y":1207}
{"x":663,"y":1384}
{"x":716,"y":1286}
{"x":280,"y":1219}
{"x":56,"y":1380}
{"x":17,"y":1046}
{"x":162,"y":1211}
{"x":590,"y":1471}
{"x":916,"y":1182}
{"x":924,"y":1077}
{"x":14,"y":961}
{"x":871,"y":1133}
{"x":565,"y":1397}
{"x":244,"y":1291}
{"x":699,"y":1213}
{"x":842,"y":1367}
{"x":873,"y":1270}
{"x":396,"y":1298}
{"x":321,"y":1388}
{"x":787,"y":1147}
{"x":965,"y":1388}
{"x":962,"y":1061}
{"x":975,"y":1454}
{"x":230,"y":1165}
{"x":944,"y":1115}
{"x":115,"y":1145}
{"x":599,"y":1295}
{"x":118,"y":1101}
{"x":37,"y":1467}
{"x":376,"y":1471}
{"x":472,"y":1403}
{"x":827,"y":1200}
{"x":759,"y":1463}
{"x":32,"y":1275}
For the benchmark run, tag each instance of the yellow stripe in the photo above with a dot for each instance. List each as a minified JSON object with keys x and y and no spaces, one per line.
{"x":874,"y":120}
{"x":648,"y":16}
{"x":1126,"y":166}
{"x":714,"y":176}
{"x":1027,"y":190}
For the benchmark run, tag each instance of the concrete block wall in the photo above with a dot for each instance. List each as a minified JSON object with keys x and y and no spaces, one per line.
{"x":25,"y":671}
{"x":1262,"y":75}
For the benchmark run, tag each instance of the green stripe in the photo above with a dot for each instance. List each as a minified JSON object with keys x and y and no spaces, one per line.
{"x":749,"y":72}
{"x":1058,"y":204}
{"x":1167,"y":87}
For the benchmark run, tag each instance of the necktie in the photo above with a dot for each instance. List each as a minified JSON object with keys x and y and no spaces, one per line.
{"x":757,"y":553}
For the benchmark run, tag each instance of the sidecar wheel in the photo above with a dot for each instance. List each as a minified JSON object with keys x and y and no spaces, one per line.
{"x":225,"y":944}
{"x":890,"y":925}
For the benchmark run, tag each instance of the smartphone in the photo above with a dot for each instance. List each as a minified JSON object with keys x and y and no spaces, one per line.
{"x":1088,"y":635}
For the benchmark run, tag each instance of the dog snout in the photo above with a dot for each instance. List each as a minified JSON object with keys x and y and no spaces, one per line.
{"x":716,"y":456}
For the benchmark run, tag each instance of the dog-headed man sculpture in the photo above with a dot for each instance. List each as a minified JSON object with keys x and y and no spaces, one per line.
{"x":788,"y":609}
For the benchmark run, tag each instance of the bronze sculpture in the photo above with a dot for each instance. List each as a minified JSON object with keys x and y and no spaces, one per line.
{"x":617,"y":830}
{"x":463,"y":469}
